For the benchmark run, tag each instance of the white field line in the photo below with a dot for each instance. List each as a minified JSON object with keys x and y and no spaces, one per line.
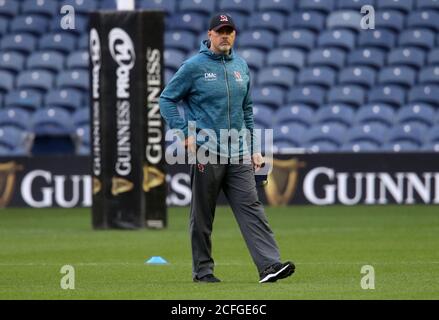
{"x":97,"y":264}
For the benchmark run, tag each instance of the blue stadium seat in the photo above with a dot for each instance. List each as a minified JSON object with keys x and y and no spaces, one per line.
{"x":432,"y":134}
{"x":321,"y":147}
{"x":269,"y":95}
{"x":345,"y":19}
{"x":416,"y":113}
{"x":283,"y":6}
{"x":374,"y":133}
{"x":322,"y":6}
{"x":7,"y":81}
{"x":4,"y":26}
{"x":16,"y":152}
{"x":11,"y":61}
{"x":81,"y":6}
{"x":9,"y":8}
{"x":82,"y":135}
{"x":311,"y":20}
{"x":369,"y":57}
{"x":407,"y":132}
{"x":54,"y":130}
{"x":427,"y":4}
{"x":75,"y":79}
{"x":271,"y":21}
{"x":81,"y":117}
{"x":404,"y":6}
{"x":348,"y":94}
{"x":240,"y":20}
{"x":32,"y":24}
{"x":425,"y":93}
{"x":378,"y":38}
{"x":403,"y":146}
{"x":295,"y":114}
{"x":181,"y":40}
{"x":291,"y":133}
{"x":201,"y":6}
{"x":84,"y":149}
{"x":354,"y":4}
{"x":421,"y":38}
{"x":429,"y":75}
{"x":376,"y":113}
{"x":12,"y":138}
{"x":259,"y":126}
{"x":17,"y":118}
{"x":283,"y":147}
{"x":257,"y":39}
{"x":424,"y":19}
{"x":52,"y":121}
{"x":28,"y":100}
{"x":60,"y":41}
{"x":78,"y":59}
{"x":277,"y":76}
{"x":292,"y":58}
{"x":331,"y":57}
{"x":333,"y":133}
{"x":263,"y":116}
{"x":336,"y":113}
{"x":404,"y":76}
{"x":297,"y":38}
{"x":359,"y":147}
{"x":321,"y":76}
{"x":412,"y":57}
{"x":255,"y":58}
{"x":108,"y":4}
{"x":246,"y":7}
{"x":168,"y":6}
{"x":192,"y":22}
{"x":83,"y":42}
{"x":80,"y":27}
{"x":313,"y":96}
{"x":83,"y":141}
{"x":173,"y":58}
{"x":339,"y":38}
{"x":67,"y":99}
{"x":430,"y":147}
{"x":359,"y":75}
{"x":47,"y":8}
{"x":390,"y":19}
{"x":24,"y":43}
{"x":393,"y":95}
{"x":36,"y":79}
{"x":46,"y":60}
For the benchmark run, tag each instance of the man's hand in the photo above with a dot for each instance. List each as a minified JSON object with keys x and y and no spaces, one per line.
{"x":190,"y":145}
{"x":257,"y":161}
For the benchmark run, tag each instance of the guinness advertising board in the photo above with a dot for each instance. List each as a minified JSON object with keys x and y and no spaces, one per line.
{"x":98,"y":135}
{"x":353,"y":179}
{"x":309,"y":179}
{"x":127,"y":135}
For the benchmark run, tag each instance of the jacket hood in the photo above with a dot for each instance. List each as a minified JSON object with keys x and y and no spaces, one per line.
{"x":204,"y":49}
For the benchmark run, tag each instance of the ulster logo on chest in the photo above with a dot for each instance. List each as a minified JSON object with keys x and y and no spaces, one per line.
{"x":238,"y":76}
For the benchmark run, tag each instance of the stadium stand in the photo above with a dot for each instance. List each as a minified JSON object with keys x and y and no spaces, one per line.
{"x":295,"y":114}
{"x":291,"y":134}
{"x":311,"y":64}
{"x":276,"y":76}
{"x":16,"y":118}
{"x":379,"y":113}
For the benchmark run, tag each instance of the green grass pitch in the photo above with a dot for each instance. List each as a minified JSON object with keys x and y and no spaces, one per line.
{"x":329,"y":246}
